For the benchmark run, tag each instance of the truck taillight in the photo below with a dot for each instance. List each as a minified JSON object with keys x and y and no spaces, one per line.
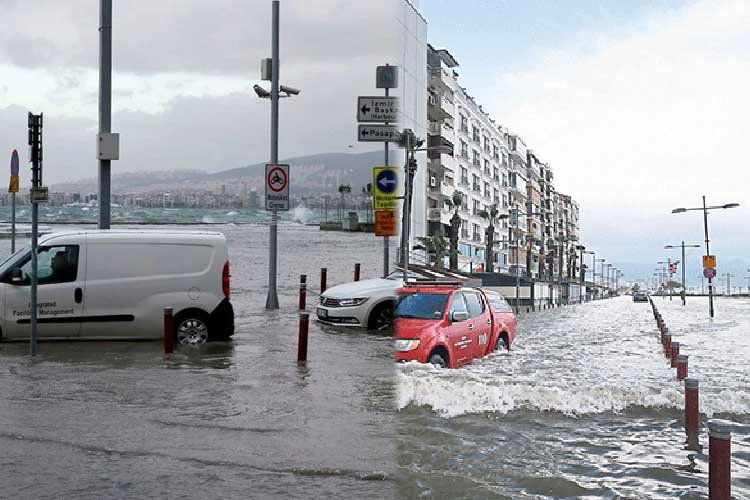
{"x":225,"y":280}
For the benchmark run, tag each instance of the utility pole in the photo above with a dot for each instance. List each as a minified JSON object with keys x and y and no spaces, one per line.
{"x":36,"y":123}
{"x":105,"y":109}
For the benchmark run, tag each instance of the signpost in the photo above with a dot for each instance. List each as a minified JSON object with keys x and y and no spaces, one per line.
{"x":709,"y":261}
{"x":378,"y":133}
{"x":382,"y":110}
{"x":378,"y":109}
{"x":277,"y":187}
{"x":36,"y":123}
{"x":13,"y":189}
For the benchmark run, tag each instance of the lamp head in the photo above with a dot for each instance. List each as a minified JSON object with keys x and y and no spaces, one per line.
{"x":731,"y":205}
{"x":679,"y":210}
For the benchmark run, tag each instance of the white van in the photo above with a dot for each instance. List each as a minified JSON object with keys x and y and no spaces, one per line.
{"x":115,"y":284}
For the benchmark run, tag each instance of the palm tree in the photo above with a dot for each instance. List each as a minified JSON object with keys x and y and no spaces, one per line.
{"x":454,"y":204}
{"x":436,"y":245}
{"x":492,"y":216}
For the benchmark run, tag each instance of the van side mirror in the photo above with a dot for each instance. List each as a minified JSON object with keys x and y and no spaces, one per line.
{"x":459,"y":316}
{"x":17,"y":275}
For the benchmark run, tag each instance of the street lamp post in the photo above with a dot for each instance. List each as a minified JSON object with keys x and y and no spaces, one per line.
{"x":519,"y":213}
{"x":708,"y":252}
{"x":583,"y":280}
{"x":272,"y":299}
{"x":601,"y":261}
{"x":683,"y":246}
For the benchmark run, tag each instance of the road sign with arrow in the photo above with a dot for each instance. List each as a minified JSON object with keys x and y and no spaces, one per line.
{"x":378,"y":109}
{"x":385,"y":188}
{"x":379,"y":133}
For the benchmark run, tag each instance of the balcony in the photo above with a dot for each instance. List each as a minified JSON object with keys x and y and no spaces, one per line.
{"x":437,"y":141}
{"x":434,"y":214}
{"x":435,"y":109}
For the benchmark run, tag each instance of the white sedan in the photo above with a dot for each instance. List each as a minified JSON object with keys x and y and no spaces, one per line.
{"x":364,"y":304}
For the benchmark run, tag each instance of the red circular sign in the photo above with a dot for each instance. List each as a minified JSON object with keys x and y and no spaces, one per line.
{"x":276,"y":179}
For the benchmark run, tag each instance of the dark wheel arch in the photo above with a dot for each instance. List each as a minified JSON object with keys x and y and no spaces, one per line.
{"x":442,"y":352}
{"x":375,"y":317}
{"x":503,"y":341}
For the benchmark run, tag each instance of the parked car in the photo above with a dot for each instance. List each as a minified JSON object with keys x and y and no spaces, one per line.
{"x":640,"y":297}
{"x":449,"y":325}
{"x":365,"y":304}
{"x":115,"y":285}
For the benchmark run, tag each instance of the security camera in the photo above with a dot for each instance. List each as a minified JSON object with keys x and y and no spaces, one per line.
{"x":262,"y":93}
{"x":289,"y":90}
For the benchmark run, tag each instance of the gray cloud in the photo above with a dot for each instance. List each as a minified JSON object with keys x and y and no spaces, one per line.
{"x":196,"y":36}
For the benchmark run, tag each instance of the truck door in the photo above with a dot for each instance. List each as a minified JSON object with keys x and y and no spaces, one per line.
{"x":480,"y":323}
{"x":458,"y":334}
{"x":59,"y":294}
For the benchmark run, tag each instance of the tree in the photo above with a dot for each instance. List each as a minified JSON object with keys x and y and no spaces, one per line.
{"x":435,"y":245}
{"x":492,"y":216}
{"x":454,"y":204}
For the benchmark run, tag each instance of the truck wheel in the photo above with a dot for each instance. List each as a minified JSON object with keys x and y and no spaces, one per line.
{"x":437,"y":361}
{"x":191,"y":327}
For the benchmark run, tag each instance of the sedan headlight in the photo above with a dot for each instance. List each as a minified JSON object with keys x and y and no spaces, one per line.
{"x":352,"y":302}
{"x":405,"y":345}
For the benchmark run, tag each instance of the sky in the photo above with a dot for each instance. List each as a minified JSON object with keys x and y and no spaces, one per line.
{"x":639,"y":106}
{"x":183,"y":77}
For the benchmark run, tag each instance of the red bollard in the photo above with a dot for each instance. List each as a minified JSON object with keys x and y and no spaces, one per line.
{"x":323,"y":279}
{"x":675,"y":353}
{"x":719,"y":461}
{"x":692,"y":415}
{"x":168,"y":332}
{"x":668,"y":345}
{"x":304,"y":322}
{"x":356,"y":271}
{"x":682,"y":367}
{"x":302,"y":292}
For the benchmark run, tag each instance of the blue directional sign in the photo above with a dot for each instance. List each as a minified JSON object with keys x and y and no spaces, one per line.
{"x":385,"y":188}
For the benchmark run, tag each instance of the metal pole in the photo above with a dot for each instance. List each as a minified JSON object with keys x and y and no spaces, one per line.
{"x":708,"y":252}
{"x":13,"y":224}
{"x":386,"y":239}
{"x":407,"y":208}
{"x":669,"y":276}
{"x":105,"y":106}
{"x":683,"y":274}
{"x":272,"y":300}
{"x":518,"y":271}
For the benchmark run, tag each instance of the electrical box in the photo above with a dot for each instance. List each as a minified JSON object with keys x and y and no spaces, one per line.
{"x":108,"y":146}
{"x":266,"y":69}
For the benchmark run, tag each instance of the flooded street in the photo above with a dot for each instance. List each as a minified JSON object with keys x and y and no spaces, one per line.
{"x":228,"y":420}
{"x":584,"y":406}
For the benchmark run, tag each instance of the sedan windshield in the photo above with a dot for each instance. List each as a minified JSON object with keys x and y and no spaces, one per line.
{"x":422,"y":306}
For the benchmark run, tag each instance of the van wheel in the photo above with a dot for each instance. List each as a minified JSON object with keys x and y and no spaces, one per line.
{"x":191,"y":328}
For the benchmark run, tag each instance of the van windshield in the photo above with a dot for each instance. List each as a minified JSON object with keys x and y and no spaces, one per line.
{"x":422,"y":306}
{"x":7,"y":263}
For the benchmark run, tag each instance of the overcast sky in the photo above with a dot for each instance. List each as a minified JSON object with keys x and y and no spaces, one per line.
{"x":640,"y":107}
{"x":184,"y":70}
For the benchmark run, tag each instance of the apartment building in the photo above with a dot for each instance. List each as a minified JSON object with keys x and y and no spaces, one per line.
{"x":478,"y":168}
{"x":537,"y":231}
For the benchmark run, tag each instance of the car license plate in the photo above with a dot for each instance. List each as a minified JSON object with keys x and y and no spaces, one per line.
{"x":322,"y":313}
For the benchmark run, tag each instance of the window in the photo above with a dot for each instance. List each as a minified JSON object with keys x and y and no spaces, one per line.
{"x":475,"y":304}
{"x":495,"y":153}
{"x":475,"y":134}
{"x":487,"y":167}
{"x":58,"y":264}
{"x":505,"y":179}
{"x":475,"y":183}
{"x":477,"y":236}
{"x":496,"y":174}
{"x":421,"y":306}
{"x":476,"y":208}
{"x":487,"y":189}
{"x":495,"y":196}
{"x":458,"y":304}
{"x":464,"y":124}
{"x":476,"y":158}
{"x":464,"y":149}
{"x":486,"y":143}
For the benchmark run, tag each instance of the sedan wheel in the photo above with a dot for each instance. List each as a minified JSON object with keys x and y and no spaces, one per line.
{"x":383,"y":318}
{"x":192,"y":331}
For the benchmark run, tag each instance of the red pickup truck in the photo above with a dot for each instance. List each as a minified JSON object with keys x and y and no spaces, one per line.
{"x":449,"y":325}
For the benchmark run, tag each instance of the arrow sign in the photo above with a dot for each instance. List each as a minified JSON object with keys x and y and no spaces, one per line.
{"x":385,"y":188}
{"x":378,"y":109}
{"x":379,"y":133}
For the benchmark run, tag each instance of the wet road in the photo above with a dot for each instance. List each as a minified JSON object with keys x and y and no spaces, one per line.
{"x":584,"y":406}
{"x":228,"y":420}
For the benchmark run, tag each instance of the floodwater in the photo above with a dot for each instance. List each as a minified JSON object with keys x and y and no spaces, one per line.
{"x":584,"y":406}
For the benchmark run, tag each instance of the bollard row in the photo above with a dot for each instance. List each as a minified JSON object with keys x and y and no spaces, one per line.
{"x":719,"y":434}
